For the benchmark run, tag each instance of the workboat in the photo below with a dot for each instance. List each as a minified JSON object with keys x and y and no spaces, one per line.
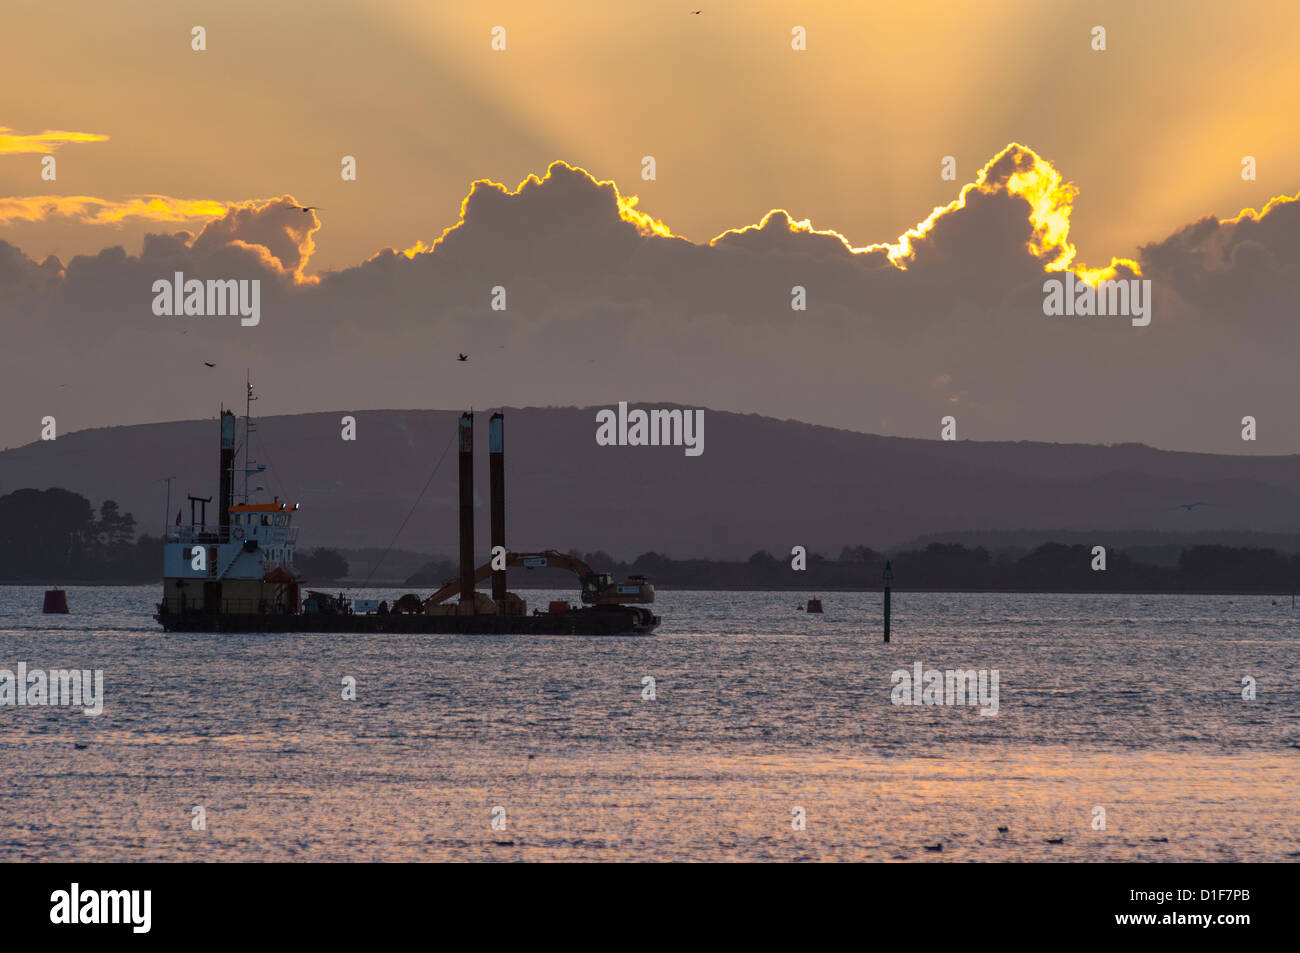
{"x":237,"y":575}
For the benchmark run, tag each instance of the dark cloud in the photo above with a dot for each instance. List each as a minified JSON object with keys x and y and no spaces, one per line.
{"x":1246,"y":269}
{"x":602,"y":306}
{"x":279,"y":226}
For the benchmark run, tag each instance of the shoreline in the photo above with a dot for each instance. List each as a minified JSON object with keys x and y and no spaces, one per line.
{"x":342,"y":586}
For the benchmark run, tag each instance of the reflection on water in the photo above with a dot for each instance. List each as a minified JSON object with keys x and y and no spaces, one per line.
{"x":1128,"y":703}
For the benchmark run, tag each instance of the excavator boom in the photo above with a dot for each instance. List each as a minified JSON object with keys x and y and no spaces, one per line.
{"x":597,"y":588}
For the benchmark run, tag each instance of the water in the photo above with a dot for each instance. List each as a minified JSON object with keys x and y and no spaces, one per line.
{"x":1132,"y":704}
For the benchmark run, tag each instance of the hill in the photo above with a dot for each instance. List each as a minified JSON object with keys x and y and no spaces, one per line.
{"x":760,"y":484}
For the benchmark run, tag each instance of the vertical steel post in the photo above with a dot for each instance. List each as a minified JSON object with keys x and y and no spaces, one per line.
{"x":227,"y":497}
{"x":497,"y":479}
{"x":889,"y":578}
{"x":467,"y":510}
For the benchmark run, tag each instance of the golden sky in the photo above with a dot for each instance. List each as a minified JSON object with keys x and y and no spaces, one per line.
{"x":848,"y":133}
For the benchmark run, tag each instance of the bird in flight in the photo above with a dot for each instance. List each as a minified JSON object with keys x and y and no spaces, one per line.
{"x":462,"y":357}
{"x":307,"y":208}
{"x":207,"y":364}
{"x":1189,"y":506}
{"x":696,"y":13}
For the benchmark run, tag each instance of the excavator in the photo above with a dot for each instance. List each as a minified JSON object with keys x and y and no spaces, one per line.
{"x":598,"y":588}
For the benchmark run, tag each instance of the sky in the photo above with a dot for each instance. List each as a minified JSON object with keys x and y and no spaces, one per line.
{"x":677,"y":296}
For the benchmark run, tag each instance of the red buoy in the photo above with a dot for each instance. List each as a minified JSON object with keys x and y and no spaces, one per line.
{"x":56,"y":600}
{"x":814,"y":605}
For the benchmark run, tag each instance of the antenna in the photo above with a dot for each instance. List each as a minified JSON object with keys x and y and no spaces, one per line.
{"x":167,"y":507}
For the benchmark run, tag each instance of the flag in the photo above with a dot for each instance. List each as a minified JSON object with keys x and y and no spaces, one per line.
{"x":178,"y":517}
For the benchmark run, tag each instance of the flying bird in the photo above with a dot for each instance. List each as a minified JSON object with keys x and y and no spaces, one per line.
{"x":206,"y":364}
{"x":1189,"y":506}
{"x":696,"y":13}
{"x":307,"y":208}
{"x":462,"y":357}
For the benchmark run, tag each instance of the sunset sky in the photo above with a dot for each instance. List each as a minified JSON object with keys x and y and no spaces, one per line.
{"x":151,"y":136}
{"x":848,"y":133}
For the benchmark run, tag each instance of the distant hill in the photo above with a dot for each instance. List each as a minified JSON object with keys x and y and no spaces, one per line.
{"x":761,"y":484}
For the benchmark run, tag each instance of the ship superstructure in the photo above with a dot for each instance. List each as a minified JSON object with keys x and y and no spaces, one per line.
{"x":241,"y":564}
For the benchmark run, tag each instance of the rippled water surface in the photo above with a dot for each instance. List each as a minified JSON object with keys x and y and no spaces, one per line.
{"x":1131,"y":704}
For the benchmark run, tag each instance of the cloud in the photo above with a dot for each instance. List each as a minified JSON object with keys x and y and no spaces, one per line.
{"x":95,"y":211}
{"x":276,"y":230}
{"x":12,"y":143}
{"x":1015,"y":171}
{"x":280,"y":226}
{"x":1237,"y":256}
{"x":565,"y":194}
{"x":606,"y":304}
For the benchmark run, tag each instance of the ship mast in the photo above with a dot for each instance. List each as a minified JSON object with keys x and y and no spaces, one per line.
{"x":248,"y":439}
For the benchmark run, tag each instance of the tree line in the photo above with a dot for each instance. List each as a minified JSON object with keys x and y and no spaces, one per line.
{"x":947,"y":567}
{"x":56,"y":536}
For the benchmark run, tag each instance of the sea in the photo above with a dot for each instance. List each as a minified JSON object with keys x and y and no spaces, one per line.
{"x":1127,"y":728}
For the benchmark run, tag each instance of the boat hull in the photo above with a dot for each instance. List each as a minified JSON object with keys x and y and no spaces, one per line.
{"x":596,"y":620}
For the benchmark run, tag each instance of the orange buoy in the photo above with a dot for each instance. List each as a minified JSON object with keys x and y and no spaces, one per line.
{"x":56,"y":600}
{"x":814,"y":605}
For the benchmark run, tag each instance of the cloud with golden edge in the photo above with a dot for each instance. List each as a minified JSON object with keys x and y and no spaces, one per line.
{"x":1249,"y":213}
{"x":275,"y":230}
{"x":1016,"y":170}
{"x":11,"y":143}
{"x":626,"y":204}
{"x":95,"y":211}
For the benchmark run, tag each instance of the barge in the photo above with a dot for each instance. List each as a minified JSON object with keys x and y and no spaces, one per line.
{"x":238,"y":575}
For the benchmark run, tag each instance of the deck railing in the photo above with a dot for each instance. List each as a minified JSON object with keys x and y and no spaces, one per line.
{"x":197,"y":533}
{"x":172,"y":605}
